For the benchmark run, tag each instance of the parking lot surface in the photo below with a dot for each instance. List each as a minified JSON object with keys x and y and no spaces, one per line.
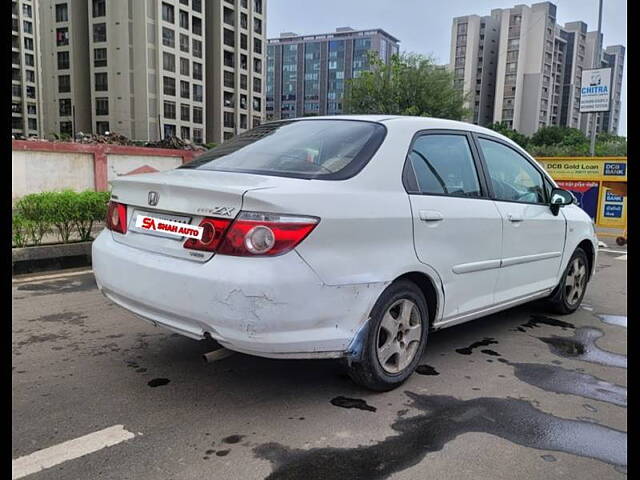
{"x":99,"y":393}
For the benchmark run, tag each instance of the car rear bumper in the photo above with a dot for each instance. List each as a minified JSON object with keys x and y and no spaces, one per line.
{"x":271,"y":307}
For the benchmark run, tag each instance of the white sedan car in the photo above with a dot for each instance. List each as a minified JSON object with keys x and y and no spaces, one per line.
{"x":347,"y":237}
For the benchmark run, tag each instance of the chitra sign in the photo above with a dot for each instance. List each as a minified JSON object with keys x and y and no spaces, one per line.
{"x":595,"y":92}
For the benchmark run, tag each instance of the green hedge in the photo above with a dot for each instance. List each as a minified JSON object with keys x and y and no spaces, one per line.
{"x":64,"y":213}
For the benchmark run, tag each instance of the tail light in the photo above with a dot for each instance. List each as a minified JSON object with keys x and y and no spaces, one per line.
{"x":213,"y":231}
{"x":255,"y":234}
{"x":117,"y":217}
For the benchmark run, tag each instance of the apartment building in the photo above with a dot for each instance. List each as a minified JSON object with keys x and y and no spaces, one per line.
{"x":574,"y":34}
{"x":614,"y":58}
{"x":306,"y":74}
{"x":235,"y":59}
{"x":473,"y":60}
{"x":26,"y":91}
{"x":66,"y":93}
{"x":154,"y":68}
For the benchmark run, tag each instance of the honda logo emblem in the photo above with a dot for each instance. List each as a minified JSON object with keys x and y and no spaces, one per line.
{"x":153,"y":198}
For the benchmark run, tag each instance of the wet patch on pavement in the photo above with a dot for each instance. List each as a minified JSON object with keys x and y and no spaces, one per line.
{"x":493,"y":353}
{"x":482,"y":343}
{"x":536,"y":320}
{"x":158,"y":382}
{"x":560,"y":380}
{"x":83,"y":284}
{"x":426,"y":370}
{"x":232,"y":439}
{"x":70,"y":318}
{"x":444,"y":419}
{"x":618,"y":320}
{"x":582,"y":346}
{"x":346,"y":402}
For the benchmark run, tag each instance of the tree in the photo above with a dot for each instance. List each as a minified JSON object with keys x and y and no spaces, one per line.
{"x":410,"y":84}
{"x":554,"y":135}
{"x":514,"y":135}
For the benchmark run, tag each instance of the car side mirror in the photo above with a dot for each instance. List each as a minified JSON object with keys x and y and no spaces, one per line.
{"x":560,"y":198}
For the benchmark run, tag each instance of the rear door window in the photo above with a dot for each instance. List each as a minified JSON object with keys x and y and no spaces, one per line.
{"x":322,"y":149}
{"x":443,"y":165}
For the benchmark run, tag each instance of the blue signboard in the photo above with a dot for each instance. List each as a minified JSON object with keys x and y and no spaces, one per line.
{"x":612,"y":197}
{"x":615,"y":169}
{"x":612,"y":210}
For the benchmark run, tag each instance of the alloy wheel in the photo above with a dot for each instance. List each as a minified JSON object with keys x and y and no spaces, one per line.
{"x":399,"y":336}
{"x":576,"y":281}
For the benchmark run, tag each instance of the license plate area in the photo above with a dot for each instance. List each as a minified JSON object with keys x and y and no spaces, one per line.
{"x":167,"y":219}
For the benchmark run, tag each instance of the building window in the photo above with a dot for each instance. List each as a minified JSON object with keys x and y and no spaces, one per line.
{"x":185,"y":133}
{"x":15,"y":58}
{"x":196,"y":25}
{"x":256,"y":122}
{"x":64,"y":107}
{"x":32,"y":124}
{"x":197,"y":136}
{"x":257,"y":26}
{"x":16,"y":108}
{"x":16,"y":90}
{"x":229,"y":120}
{"x":227,"y":135}
{"x":257,"y":65}
{"x":197,"y":93}
{"x":170,"y":110}
{"x":15,"y":74}
{"x":184,"y":19}
{"x":243,"y":41}
{"x":30,"y":76}
{"x":243,"y":82}
{"x":257,"y":6}
{"x":28,"y":43}
{"x":184,"y":66}
{"x":185,"y":113}
{"x":100,"y":32}
{"x":28,"y":60}
{"x":169,"y":130}
{"x":26,"y":11}
{"x":244,"y":21}
{"x":99,"y":8}
{"x":229,"y":79}
{"x":184,"y":43}
{"x":102,"y":106}
{"x":99,"y":57}
{"x":197,"y":115}
{"x":62,"y":12}
{"x":229,"y":59}
{"x":16,"y":123}
{"x":228,"y":16}
{"x":168,"y":37}
{"x":196,"y":5}
{"x":63,"y":60}
{"x":197,"y":48}
{"x":169,"y":61}
{"x":64,"y":83}
{"x":197,"y":71}
{"x":102,"y":127}
{"x":31,"y":109}
{"x":66,"y":128}
{"x":185,"y":90}
{"x":243,"y":101}
{"x":257,"y":85}
{"x":243,"y":61}
{"x":27,"y":27}
{"x":229,"y":38}
{"x":62,"y":36}
{"x":101,"y":81}
{"x":257,"y":104}
{"x":257,"y":45}
{"x":229,"y":99}
{"x":168,"y":14}
{"x":169,"y":86}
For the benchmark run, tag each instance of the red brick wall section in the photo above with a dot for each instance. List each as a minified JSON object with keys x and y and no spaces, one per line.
{"x":99,"y":152}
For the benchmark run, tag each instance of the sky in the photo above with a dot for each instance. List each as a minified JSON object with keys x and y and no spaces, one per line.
{"x":424,"y":26}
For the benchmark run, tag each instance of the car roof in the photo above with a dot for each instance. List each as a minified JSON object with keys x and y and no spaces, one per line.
{"x":415,"y":123}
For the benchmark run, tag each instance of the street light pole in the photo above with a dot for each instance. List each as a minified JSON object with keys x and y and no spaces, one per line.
{"x":596,"y":64}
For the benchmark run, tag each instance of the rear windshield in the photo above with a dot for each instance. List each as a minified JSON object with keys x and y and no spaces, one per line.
{"x":322,"y":149}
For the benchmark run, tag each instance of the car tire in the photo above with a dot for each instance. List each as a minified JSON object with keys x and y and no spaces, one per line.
{"x":389,"y":356}
{"x":568,"y":295}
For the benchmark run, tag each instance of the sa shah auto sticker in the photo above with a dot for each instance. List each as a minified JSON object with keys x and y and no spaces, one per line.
{"x":166,"y":226}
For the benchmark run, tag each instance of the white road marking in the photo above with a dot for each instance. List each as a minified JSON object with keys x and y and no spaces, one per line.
{"x":52,"y":456}
{"x":608,"y":250}
{"x":601,"y":244}
{"x":51,"y":277}
{"x":622,"y":257}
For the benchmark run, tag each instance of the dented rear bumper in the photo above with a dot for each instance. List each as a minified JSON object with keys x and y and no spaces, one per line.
{"x":270,"y":306}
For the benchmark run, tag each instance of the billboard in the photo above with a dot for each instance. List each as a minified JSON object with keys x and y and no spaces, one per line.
{"x":595,"y":91}
{"x":585,"y":192}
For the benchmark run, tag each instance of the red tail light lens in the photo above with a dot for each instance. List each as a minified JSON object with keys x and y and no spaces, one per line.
{"x":265,"y":234}
{"x":117,"y":217}
{"x":214,"y":229}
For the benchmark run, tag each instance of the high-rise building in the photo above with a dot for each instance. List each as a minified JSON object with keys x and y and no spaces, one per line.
{"x":306,"y":74}
{"x":66,"y":92}
{"x":235,"y":58}
{"x":537,"y":75}
{"x":26,"y":91}
{"x":153,"y":69}
{"x":474,"y":58}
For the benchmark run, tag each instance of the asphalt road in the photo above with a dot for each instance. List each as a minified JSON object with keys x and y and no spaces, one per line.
{"x":520,"y":394}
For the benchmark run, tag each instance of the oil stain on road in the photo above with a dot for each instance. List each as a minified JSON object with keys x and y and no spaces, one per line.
{"x":443,"y":419}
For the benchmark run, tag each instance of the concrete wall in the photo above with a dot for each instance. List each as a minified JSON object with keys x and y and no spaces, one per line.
{"x":46,"y":166}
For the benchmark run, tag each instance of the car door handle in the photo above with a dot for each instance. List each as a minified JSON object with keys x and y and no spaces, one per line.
{"x":430,"y":216}
{"x":514,"y":218}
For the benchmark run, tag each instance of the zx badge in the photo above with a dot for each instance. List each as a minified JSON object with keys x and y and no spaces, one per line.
{"x":227,"y":211}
